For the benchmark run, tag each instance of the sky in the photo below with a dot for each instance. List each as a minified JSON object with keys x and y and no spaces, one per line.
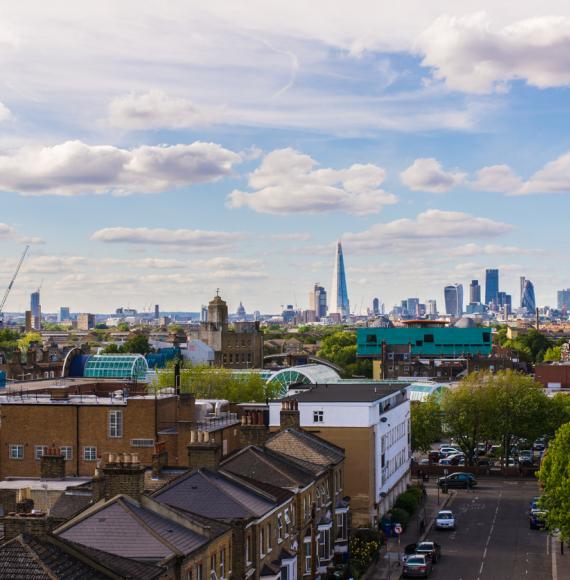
{"x":153,"y":152}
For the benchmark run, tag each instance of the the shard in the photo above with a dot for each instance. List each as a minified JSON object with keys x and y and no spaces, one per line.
{"x":339,"y":293}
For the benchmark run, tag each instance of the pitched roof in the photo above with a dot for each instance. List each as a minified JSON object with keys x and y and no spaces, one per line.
{"x":218,"y":495}
{"x":305,"y":448}
{"x":71,"y":503}
{"x":122,"y":526}
{"x":264,"y":465}
{"x":49,"y":557}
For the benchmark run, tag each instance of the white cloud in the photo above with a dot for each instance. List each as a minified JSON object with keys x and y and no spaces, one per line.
{"x":225,"y":263}
{"x":53,"y":264}
{"x":554,"y":177}
{"x":471,"y":56}
{"x":427,"y":174}
{"x":492,"y":250}
{"x":293,"y":237}
{"x":430,"y":225}
{"x":163,"y":236}
{"x":157,"y":110}
{"x":288,"y":181}
{"x":75,"y":168}
{"x":496,"y":178}
{"x":7,"y":232}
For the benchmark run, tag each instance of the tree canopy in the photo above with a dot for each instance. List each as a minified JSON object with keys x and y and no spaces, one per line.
{"x":425,"y":424}
{"x":25,"y":341}
{"x":554,"y":475}
{"x":137,"y":344}
{"x":340,"y":349}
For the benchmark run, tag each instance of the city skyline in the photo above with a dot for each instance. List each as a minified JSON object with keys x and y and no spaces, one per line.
{"x":142,"y":183}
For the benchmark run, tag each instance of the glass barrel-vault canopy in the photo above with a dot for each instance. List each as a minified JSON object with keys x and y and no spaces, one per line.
{"x":304,"y":375}
{"x":116,"y":366}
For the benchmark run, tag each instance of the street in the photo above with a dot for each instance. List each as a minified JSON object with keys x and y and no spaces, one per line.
{"x":492,"y":540}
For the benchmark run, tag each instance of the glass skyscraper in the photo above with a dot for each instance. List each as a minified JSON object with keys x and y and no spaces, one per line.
{"x":528,"y":300}
{"x":474,"y":292}
{"x":453,"y":295}
{"x":491,"y":286}
{"x":339,"y":294}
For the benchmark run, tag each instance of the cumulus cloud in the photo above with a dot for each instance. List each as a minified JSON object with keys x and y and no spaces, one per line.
{"x":166,"y":237}
{"x":292,"y":237}
{"x":431,"y":225}
{"x":427,"y":174}
{"x":496,"y":178}
{"x":75,"y":168}
{"x":492,"y":250}
{"x":225,"y":263}
{"x":554,"y":177}
{"x":470,"y":56}
{"x":157,"y":110}
{"x":288,"y":181}
{"x":7,"y":232}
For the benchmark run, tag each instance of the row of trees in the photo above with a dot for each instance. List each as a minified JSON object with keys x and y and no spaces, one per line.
{"x":531,"y":346}
{"x":489,"y":407}
{"x":340,"y":349}
{"x":218,"y":383}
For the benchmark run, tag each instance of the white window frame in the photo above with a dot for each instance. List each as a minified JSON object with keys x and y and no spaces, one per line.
{"x":199,"y":571}
{"x":39,"y":451}
{"x":308,"y":555}
{"x":67,"y":452}
{"x":324,"y":542}
{"x":222,"y":563}
{"x":279,"y":528}
{"x":86,"y":453}
{"x":342,"y":525}
{"x":318,"y":416}
{"x":248,"y":550}
{"x":287,"y":522}
{"x":115,"y":424}
{"x":269,"y":539}
{"x":16,"y":447}
{"x":261,"y":542}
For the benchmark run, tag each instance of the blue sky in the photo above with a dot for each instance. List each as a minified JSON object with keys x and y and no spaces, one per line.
{"x":151,"y":154}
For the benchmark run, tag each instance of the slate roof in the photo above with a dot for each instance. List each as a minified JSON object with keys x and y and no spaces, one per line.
{"x":264,"y":465}
{"x":167,"y":474}
{"x":71,"y":503}
{"x":33,"y":558}
{"x":346,"y":392}
{"x":216,"y":495}
{"x":123,"y":527}
{"x":305,"y":448}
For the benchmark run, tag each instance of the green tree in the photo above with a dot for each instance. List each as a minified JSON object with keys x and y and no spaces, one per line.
{"x":112,"y":348}
{"x":137,"y":344}
{"x":559,"y":412}
{"x":340,"y":349}
{"x":425,"y":424}
{"x":554,"y":475}
{"x":27,"y":339}
{"x":552,"y":354}
{"x":123,"y":327}
{"x":9,"y":339}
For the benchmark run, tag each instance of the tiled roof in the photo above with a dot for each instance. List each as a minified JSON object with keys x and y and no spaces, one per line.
{"x":264,"y":465}
{"x":122,"y":526}
{"x":48,"y":557}
{"x":69,"y":504}
{"x":301,"y":446}
{"x":215,"y":495}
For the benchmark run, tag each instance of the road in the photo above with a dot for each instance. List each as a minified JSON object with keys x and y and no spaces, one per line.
{"x":493,"y":540}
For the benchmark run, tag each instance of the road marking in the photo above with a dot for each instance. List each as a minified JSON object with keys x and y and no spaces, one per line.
{"x":554,"y":567}
{"x":489,"y":536}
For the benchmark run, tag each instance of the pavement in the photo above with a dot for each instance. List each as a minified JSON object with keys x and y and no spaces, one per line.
{"x":492,"y":540}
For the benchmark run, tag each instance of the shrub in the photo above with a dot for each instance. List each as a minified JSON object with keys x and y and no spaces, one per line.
{"x":407,"y":501}
{"x":400,"y":516}
{"x":416,"y":491}
{"x":363,"y":551}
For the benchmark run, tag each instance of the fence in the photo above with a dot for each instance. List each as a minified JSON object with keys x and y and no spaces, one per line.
{"x":434,"y":471}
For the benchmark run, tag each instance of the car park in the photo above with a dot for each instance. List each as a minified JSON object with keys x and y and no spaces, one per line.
{"x":417,"y":566}
{"x":453,"y":459}
{"x":430,"y":549}
{"x":464,"y":480}
{"x":445,"y":520}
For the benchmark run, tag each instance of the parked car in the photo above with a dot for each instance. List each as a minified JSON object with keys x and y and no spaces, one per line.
{"x":445,"y":451}
{"x":534,"y":503}
{"x":484,"y":462}
{"x":424,"y":461}
{"x":416,"y":566}
{"x":445,"y":520}
{"x":434,"y":456}
{"x":537,"y":519}
{"x":430,"y":549}
{"x":465,"y":480}
{"x":452,"y":459}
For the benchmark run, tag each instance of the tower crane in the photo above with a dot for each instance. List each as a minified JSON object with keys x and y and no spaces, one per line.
{"x":6,"y":294}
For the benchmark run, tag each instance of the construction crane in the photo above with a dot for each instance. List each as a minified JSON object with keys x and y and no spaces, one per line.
{"x":6,"y":294}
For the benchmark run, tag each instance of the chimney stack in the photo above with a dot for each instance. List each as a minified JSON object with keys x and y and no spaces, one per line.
{"x":123,"y":474}
{"x":203,"y":451}
{"x":52,"y":464}
{"x":159,"y":459}
{"x":290,"y":416}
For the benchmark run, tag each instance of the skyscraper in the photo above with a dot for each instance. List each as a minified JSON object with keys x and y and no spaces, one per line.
{"x":36,"y":310}
{"x":412,"y":306}
{"x":491,"y":286}
{"x":454,"y":300}
{"x":156,"y":311}
{"x":64,"y":313}
{"x":528,"y":300}
{"x":376,"y":306}
{"x":431,"y":308}
{"x":318,"y":301}
{"x":474,"y":292}
{"x":339,"y":292}
{"x":564,"y":299}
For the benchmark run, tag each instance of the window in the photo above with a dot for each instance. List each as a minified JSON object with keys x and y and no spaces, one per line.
{"x":285,"y":572}
{"x":199,"y":572}
{"x":428,"y":337}
{"x":222,"y":563}
{"x":116,"y":424}
{"x":248,"y":550}
{"x":39,"y":450}
{"x":90,"y":453}
{"x":189,"y":575}
{"x":142,"y":442}
{"x":371,"y":339}
{"x":16,"y":452}
{"x":279,"y":528}
{"x":342,"y":526}
{"x":261,"y":542}
{"x":269,"y":538}
{"x":325,"y":543}
{"x":287,"y":522}
{"x":318,"y":416}
{"x":67,"y":452}
{"x":213,"y":564}
{"x":307,"y":555}
{"x":318,"y":499}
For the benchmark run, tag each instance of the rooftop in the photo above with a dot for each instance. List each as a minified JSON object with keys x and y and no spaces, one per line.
{"x":89,"y":400}
{"x":44,"y":484}
{"x":365,"y":392}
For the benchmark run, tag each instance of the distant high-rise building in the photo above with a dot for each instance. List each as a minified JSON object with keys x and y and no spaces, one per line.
{"x":564,"y":299}
{"x":339,"y":293}
{"x":376,"y":307}
{"x":318,"y":301}
{"x":156,"y":312}
{"x":454,"y":300}
{"x":505,"y":302}
{"x":474,"y":292}
{"x":64,"y":314}
{"x":431,"y":308}
{"x":204,"y":314}
{"x":412,"y":306}
{"x":36,"y":310}
{"x":491,"y":285}
{"x":85,"y":321}
{"x":528,"y":300}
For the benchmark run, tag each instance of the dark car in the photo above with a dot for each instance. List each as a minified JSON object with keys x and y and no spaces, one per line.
{"x":464,"y":480}
{"x":537,"y":519}
{"x":434,"y":456}
{"x":416,"y":566}
{"x":430,"y":549}
{"x":483,"y":462}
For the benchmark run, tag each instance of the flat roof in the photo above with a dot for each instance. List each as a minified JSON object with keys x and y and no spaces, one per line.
{"x":89,"y":400}
{"x":36,"y":484}
{"x":343,"y":393}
